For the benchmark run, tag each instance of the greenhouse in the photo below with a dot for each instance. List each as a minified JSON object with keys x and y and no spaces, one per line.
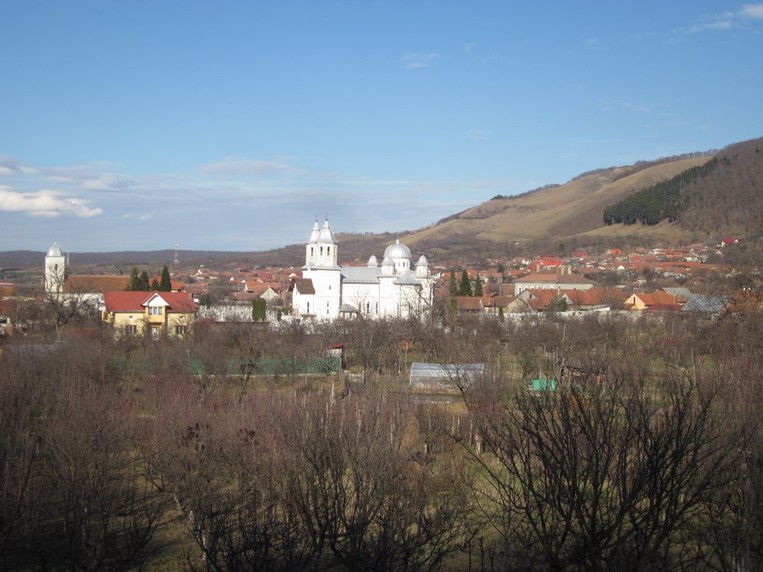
{"x":445,"y":376}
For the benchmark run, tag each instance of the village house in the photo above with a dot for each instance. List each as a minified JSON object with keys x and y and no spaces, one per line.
{"x":657,"y":300}
{"x":551,"y":281}
{"x":156,"y":313}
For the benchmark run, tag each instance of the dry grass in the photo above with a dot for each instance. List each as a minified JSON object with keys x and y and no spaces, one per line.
{"x":572,"y":209}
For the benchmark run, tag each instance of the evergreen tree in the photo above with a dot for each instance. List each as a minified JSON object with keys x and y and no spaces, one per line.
{"x":453,"y":287}
{"x":143,"y":281}
{"x":478,"y":287}
{"x":465,"y":287}
{"x":155,"y":285}
{"x":259,"y":310}
{"x":165,"y":284}
{"x":134,"y":283}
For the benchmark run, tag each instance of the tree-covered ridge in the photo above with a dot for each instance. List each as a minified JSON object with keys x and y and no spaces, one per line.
{"x":665,"y":200}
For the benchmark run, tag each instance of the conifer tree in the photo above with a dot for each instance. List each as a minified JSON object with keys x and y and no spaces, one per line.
{"x":453,"y":287}
{"x":143,"y":282}
{"x":134,"y":283}
{"x":465,"y":287}
{"x":478,"y":286}
{"x":155,"y":285}
{"x":165,"y":283}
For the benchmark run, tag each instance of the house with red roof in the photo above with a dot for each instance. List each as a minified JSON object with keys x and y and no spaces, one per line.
{"x":551,"y":281}
{"x":159,"y":314}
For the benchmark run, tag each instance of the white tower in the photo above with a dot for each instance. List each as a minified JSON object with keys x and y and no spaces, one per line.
{"x":322,"y":269}
{"x":55,"y":270}
{"x":321,"y":249}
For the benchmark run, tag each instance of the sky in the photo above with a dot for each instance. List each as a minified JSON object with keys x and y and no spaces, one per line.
{"x":234,"y":125}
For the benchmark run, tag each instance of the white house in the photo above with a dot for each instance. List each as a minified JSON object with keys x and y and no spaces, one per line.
{"x":393,"y":288}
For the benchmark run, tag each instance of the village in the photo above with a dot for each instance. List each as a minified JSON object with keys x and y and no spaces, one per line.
{"x":693,"y":278}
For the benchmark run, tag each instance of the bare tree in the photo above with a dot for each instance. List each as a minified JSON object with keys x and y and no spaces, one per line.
{"x":603,"y":477}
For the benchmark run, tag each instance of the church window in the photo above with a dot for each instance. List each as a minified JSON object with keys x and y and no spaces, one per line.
{"x":308,"y":308}
{"x":321,"y":251}
{"x":312,"y":251}
{"x":328,"y":250}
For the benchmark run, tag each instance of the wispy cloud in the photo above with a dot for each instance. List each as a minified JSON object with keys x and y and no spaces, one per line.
{"x":245,"y":166}
{"x":478,"y":134}
{"x":638,"y":107}
{"x":45,"y":203}
{"x":419,"y":60}
{"x":136,"y":216}
{"x":752,"y":11}
{"x":729,"y":20}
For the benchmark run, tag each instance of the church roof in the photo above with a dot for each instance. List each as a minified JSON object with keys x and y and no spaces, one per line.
{"x":54,"y":250}
{"x":397,"y":250}
{"x":407,"y":279}
{"x":361,"y":274}
{"x":326,"y":234}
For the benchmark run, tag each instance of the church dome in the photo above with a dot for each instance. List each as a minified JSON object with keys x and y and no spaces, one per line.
{"x":397,"y":250}
{"x":54,"y":250}
{"x":373,"y":261}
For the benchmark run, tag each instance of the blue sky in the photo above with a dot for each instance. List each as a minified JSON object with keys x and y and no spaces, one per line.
{"x":233,"y":125}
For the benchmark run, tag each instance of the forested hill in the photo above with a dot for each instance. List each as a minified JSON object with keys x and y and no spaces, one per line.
{"x":726,"y":193}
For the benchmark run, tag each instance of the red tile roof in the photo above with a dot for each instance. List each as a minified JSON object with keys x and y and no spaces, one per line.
{"x":304,"y":285}
{"x":180,"y":302}
{"x":88,"y":284}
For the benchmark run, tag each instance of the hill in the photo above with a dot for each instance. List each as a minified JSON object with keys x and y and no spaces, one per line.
{"x":724,"y":199}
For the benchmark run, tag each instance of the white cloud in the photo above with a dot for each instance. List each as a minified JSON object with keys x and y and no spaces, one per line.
{"x":419,"y":60}
{"x":244,"y":166}
{"x":729,"y":20}
{"x":45,"y":203}
{"x":753,"y":11}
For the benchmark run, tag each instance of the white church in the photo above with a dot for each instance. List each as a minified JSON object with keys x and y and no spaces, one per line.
{"x":392,"y":289}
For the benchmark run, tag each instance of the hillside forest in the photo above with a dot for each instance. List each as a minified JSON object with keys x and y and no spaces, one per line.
{"x":134,"y":453}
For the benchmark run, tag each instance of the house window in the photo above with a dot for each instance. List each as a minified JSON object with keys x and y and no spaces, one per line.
{"x":131,"y":330}
{"x":181,"y":330}
{"x":155,"y":310}
{"x":308,"y":308}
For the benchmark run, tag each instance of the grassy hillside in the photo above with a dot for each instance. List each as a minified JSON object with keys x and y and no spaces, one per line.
{"x":557,"y":213}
